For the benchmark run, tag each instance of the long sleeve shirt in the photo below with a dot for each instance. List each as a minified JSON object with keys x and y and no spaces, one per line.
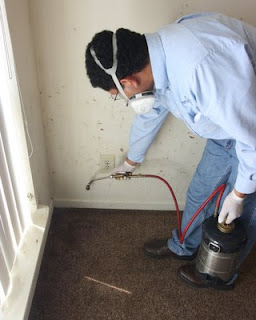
{"x":204,"y":69}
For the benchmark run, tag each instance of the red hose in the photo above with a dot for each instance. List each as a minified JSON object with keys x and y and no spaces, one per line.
{"x":220,"y":189}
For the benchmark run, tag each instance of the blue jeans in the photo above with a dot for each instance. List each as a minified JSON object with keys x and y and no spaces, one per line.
{"x":218,"y":165}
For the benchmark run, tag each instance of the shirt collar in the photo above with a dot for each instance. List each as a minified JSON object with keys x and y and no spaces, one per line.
{"x":157,"y":60}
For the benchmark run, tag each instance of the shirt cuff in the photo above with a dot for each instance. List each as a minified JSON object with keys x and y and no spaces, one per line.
{"x":135,"y":157}
{"x":246,"y":186}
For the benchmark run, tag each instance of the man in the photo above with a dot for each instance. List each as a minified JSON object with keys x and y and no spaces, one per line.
{"x":201,"y":69}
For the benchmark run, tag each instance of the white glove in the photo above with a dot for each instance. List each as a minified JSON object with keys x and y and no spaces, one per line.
{"x":232,"y":208}
{"x":124,"y":167}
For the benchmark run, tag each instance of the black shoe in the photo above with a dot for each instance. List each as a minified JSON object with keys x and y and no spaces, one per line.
{"x":158,"y":248}
{"x":189,"y":274}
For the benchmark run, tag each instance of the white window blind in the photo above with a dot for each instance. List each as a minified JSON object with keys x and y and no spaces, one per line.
{"x":11,"y":223}
{"x":16,"y":186}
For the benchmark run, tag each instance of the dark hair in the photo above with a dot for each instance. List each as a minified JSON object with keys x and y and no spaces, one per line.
{"x":132,"y":56}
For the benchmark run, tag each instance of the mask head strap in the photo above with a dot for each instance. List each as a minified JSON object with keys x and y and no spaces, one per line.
{"x":111,"y":71}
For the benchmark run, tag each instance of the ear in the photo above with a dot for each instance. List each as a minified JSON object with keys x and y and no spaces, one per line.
{"x":130,"y":82}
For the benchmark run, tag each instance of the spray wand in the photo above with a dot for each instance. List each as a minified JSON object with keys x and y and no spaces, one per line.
{"x":124,"y":175}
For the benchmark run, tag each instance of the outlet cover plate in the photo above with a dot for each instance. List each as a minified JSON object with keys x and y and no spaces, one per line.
{"x":107,"y":161}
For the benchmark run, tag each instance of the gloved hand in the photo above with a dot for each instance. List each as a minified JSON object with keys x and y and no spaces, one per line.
{"x":232,"y":208}
{"x":126,"y":167}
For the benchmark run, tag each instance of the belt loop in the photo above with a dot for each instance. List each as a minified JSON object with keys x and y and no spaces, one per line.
{"x":229,"y":144}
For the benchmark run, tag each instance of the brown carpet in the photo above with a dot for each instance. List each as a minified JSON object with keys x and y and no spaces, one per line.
{"x":94,"y":268}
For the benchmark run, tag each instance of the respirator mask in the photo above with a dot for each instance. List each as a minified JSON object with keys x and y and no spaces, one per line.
{"x":142,"y":102}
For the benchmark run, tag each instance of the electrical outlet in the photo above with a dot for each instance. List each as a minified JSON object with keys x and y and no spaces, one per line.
{"x":107,"y":161}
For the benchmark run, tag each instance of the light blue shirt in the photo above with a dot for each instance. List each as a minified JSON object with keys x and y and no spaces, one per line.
{"x":204,"y":73}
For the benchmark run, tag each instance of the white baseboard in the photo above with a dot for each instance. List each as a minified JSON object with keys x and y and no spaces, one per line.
{"x":25,"y":271}
{"x":77,"y":203}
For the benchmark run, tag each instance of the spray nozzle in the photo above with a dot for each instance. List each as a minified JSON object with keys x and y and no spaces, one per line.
{"x":88,"y":186}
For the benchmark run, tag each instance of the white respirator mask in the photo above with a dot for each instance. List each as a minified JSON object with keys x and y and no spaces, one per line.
{"x":141,"y":102}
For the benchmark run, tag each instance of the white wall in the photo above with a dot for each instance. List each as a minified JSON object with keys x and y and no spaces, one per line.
{"x":81,"y":122}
